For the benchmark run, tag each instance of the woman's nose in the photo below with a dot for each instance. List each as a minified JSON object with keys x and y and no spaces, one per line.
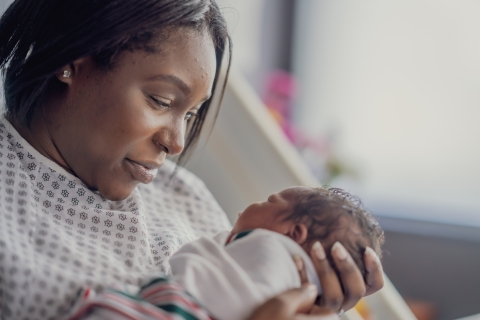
{"x":172,"y":137}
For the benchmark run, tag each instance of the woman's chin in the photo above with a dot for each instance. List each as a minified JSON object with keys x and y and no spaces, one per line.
{"x":116,"y":197}
{"x":117,"y":192}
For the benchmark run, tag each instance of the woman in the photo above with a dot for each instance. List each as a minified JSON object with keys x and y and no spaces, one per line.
{"x":98,"y":93}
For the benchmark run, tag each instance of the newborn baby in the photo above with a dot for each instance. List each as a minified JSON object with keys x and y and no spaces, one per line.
{"x":262,"y":242}
{"x":235,"y":272}
{"x":307,"y":215}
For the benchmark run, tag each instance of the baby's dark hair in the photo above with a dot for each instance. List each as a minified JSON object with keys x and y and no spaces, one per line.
{"x":332,"y":214}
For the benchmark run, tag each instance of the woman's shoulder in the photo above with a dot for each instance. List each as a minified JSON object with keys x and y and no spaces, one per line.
{"x":176,"y":193}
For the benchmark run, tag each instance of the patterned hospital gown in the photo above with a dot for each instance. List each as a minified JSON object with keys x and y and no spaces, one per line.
{"x":57,"y":236}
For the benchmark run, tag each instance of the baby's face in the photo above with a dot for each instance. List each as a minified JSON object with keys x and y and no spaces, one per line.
{"x":269,"y":214}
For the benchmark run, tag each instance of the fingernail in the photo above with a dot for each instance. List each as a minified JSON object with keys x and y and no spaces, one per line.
{"x":339,"y":251}
{"x":370,"y":252}
{"x":318,"y":251}
{"x":311,"y":288}
{"x":298,"y":262}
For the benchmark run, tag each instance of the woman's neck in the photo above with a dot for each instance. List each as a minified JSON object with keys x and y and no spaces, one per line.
{"x":38,"y":136}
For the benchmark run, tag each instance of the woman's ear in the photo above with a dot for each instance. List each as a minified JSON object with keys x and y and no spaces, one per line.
{"x":67,"y":73}
{"x":298,"y":233}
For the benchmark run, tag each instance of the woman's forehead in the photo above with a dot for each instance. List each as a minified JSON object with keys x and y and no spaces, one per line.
{"x":186,"y":46}
{"x":186,"y":60}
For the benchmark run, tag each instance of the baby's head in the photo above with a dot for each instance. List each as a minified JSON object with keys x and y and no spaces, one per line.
{"x":307,"y":215}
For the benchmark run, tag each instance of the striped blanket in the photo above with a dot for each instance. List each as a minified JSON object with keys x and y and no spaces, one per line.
{"x":161,"y":298}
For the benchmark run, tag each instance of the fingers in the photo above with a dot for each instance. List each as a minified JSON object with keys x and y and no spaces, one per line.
{"x":324,"y":315}
{"x":350,"y":276}
{"x":300,"y":299}
{"x":287,"y":305}
{"x":373,"y":266}
{"x":332,"y":295}
{"x":320,"y":311}
{"x":302,"y":272}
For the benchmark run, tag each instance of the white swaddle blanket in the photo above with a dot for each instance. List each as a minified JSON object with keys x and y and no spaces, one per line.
{"x":231,"y":280}
{"x":229,"y":276}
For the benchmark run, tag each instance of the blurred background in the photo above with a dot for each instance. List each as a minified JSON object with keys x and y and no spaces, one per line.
{"x":380,"y":98}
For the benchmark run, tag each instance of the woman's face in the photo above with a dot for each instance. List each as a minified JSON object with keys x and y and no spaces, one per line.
{"x":114,"y":128}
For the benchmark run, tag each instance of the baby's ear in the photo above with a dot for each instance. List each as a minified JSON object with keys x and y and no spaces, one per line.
{"x":298,"y":233}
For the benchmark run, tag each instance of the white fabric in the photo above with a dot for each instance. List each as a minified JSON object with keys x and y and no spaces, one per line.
{"x":474,"y":317}
{"x":56,"y":235}
{"x":231,"y":281}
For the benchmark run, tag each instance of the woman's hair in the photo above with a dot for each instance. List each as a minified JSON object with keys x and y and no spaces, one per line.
{"x":38,"y":37}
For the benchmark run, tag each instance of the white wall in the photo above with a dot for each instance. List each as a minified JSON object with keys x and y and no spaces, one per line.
{"x":4,"y":4}
{"x":244,"y":18}
{"x":261,"y":31}
{"x":399,"y":83}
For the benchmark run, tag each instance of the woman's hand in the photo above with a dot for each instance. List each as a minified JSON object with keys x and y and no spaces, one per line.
{"x":299,"y":304}
{"x":293,"y":305}
{"x":354,"y":286}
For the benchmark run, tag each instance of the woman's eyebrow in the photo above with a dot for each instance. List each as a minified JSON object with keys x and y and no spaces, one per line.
{"x":178,"y":82}
{"x":174,"y":79}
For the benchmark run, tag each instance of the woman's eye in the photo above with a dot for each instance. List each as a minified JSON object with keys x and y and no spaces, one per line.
{"x":190,"y":115}
{"x":161,"y":102}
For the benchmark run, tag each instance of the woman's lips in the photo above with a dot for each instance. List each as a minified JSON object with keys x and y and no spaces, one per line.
{"x":144,"y":173}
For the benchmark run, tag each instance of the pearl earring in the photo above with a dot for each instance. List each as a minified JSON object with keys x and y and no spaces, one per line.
{"x":66,"y":74}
